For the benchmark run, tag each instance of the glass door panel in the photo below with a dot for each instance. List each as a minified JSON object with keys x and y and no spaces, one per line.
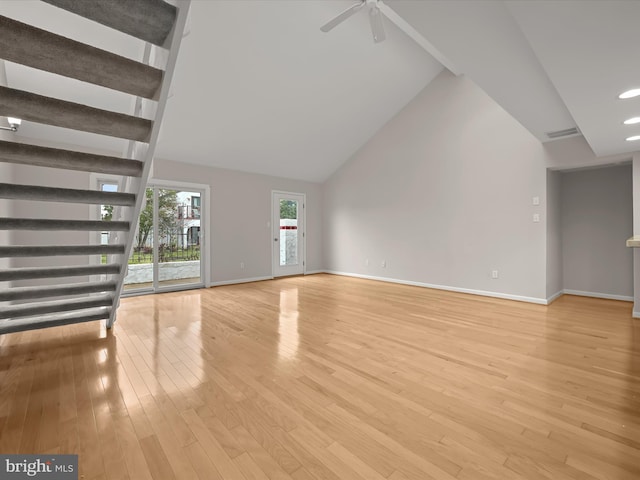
{"x":166,"y":252}
{"x":288,"y":223}
{"x":179,"y":215}
{"x":288,"y":232}
{"x":140,"y":271}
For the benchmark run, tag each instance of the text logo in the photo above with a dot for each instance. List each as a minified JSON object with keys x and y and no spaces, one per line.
{"x":49,"y":467}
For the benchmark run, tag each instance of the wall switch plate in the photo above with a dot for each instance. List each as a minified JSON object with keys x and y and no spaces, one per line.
{"x":536,"y":217}
{"x":241,"y":264}
{"x":494,"y":273}
{"x":383,"y":264}
{"x":366,"y":262}
{"x":536,"y":200}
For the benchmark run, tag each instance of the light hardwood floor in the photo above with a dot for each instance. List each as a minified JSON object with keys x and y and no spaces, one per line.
{"x":326,"y":377}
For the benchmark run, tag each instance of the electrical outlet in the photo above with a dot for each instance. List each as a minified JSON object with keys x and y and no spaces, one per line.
{"x":536,"y":200}
{"x":241,"y":264}
{"x":536,"y":217}
{"x":494,"y":273}
{"x":366,"y":262}
{"x":383,"y":264}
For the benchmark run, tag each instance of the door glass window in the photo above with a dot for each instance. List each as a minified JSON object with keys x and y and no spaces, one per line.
{"x":288,"y":232}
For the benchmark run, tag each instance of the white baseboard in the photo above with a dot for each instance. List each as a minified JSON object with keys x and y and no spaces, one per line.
{"x":484,"y":293}
{"x":555,"y":296}
{"x":241,"y":280}
{"x":635,"y":314}
{"x":607,"y":296}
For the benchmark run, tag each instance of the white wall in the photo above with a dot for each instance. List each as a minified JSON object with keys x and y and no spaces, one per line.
{"x":239,"y":214}
{"x":6,"y":176}
{"x":443,"y":193}
{"x":597,"y":219}
{"x":554,"y":234}
{"x":241,"y":208}
{"x":635,"y":167}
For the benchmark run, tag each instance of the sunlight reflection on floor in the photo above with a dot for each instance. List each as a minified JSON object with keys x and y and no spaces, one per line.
{"x":288,"y":325}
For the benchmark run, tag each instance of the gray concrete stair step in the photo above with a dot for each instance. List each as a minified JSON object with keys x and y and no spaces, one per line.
{"x":36,"y":48}
{"x":31,"y":273}
{"x":52,"y":224}
{"x":25,"y":154}
{"x":148,"y":20}
{"x":61,"y":113}
{"x":43,"y":308}
{"x":69,"y":195}
{"x":30,"y":293}
{"x":59,"y":250}
{"x":54,"y":320}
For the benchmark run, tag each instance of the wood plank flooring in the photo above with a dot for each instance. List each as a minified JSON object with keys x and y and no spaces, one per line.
{"x":326,"y":378}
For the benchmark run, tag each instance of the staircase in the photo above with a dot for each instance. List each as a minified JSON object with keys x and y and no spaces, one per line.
{"x":42,"y":303}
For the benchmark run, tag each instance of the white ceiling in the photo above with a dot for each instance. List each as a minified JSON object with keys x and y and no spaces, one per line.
{"x":589,"y":50}
{"x":259,"y":88}
{"x":552,"y":64}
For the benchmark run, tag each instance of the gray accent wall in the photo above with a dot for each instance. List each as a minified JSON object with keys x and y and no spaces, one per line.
{"x":554,"y":234}
{"x":443,"y":195}
{"x":597,"y":219}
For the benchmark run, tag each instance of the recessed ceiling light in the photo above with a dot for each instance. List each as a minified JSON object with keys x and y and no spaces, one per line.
{"x":632,"y":121}
{"x":633,"y":139}
{"x":634,"y":92}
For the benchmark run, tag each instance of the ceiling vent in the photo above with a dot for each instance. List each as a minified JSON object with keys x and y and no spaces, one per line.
{"x":563,"y":133}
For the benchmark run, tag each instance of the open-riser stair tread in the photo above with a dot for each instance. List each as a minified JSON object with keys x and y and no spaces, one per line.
{"x":30,"y":293}
{"x":31,"y":273}
{"x":59,"y":250}
{"x":54,"y":320}
{"x":148,"y":20}
{"x":25,"y":154}
{"x":56,"y":306}
{"x":36,"y":48}
{"x":70,"y":195}
{"x":153,"y":21}
{"x":61,"y":113}
{"x":7,"y":223}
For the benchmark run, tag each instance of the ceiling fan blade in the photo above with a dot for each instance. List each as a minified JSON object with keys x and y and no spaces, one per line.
{"x":377,"y":28}
{"x":343,"y":16}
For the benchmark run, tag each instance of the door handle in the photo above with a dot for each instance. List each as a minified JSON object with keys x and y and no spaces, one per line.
{"x":275,"y":239}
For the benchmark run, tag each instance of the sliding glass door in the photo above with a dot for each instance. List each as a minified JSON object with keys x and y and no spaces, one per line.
{"x":167,"y":252}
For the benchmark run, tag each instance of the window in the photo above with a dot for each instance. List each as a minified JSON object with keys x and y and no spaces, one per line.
{"x":106,"y":213}
{"x":193,"y":236}
{"x":195,"y":207}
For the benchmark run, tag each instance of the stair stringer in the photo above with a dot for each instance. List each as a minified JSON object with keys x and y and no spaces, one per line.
{"x":145,"y":152}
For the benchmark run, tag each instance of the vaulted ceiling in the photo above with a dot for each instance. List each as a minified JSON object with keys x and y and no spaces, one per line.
{"x":259,"y":88}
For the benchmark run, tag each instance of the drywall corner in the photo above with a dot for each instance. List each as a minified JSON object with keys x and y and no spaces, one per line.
{"x":554,"y":235}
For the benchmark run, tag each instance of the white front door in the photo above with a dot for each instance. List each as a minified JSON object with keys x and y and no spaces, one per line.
{"x":288,"y":234}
